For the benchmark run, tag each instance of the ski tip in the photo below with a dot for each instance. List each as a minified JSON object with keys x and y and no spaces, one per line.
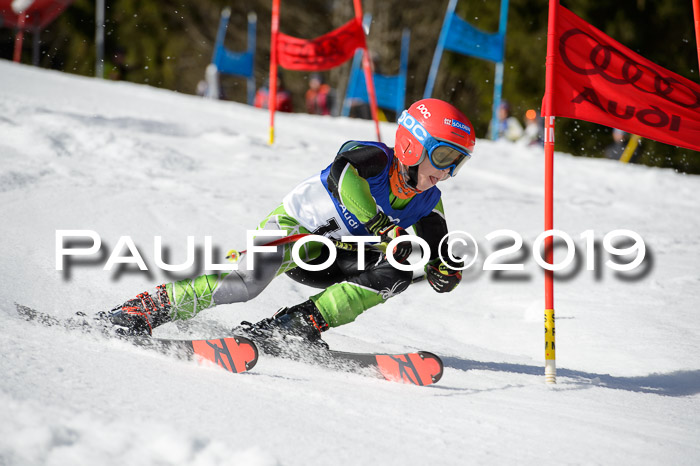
{"x":421,"y":368}
{"x":235,"y":354}
{"x":251,"y":344}
{"x":433,"y":365}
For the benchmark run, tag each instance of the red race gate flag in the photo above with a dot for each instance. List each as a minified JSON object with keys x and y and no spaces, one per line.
{"x":598,"y":79}
{"x":323,"y":53}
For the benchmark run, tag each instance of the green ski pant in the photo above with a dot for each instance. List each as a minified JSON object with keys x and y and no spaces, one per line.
{"x":347,"y":293}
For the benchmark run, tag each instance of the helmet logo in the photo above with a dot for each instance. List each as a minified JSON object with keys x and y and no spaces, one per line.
{"x":457,"y":124}
{"x":410,"y":123}
{"x":424,"y":111}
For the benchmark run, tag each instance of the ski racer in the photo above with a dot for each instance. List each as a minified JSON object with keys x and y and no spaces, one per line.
{"x":368,"y":190}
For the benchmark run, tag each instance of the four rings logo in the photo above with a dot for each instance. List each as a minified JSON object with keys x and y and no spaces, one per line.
{"x":584,"y":55}
{"x":601,"y":62}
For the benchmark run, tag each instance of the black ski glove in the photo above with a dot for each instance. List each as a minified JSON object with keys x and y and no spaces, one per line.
{"x":442,"y":278}
{"x":382,"y":226}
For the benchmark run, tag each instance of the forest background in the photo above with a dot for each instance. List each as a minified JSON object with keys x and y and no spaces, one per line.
{"x":168,"y":44}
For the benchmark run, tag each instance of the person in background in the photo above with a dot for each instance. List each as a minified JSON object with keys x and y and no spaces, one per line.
{"x":284,"y":97}
{"x":209,"y":87}
{"x":201,"y":88}
{"x":617,"y":147}
{"x":534,"y":129}
{"x":508,"y":126}
{"x":319,"y":96}
{"x":119,"y":67}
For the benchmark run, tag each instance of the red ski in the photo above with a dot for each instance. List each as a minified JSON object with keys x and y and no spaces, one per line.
{"x":239,"y":354}
{"x":419,"y":368}
{"x":235,"y":354}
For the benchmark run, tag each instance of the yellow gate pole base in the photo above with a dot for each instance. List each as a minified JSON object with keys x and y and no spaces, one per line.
{"x":550,"y":355}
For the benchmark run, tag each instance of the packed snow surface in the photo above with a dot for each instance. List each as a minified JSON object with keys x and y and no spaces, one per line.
{"x":122,"y":159}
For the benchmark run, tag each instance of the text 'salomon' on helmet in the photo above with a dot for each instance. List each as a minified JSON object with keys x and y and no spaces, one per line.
{"x":435,"y":129}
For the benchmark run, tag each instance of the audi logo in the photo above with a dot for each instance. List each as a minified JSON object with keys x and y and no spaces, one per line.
{"x":618,"y":68}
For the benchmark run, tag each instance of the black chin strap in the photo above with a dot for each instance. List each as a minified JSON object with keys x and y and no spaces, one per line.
{"x":412,"y":176}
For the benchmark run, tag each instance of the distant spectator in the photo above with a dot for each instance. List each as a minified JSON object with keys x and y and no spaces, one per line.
{"x":209,"y":86}
{"x":534,"y":129}
{"x":202,"y":88}
{"x":360,"y":109}
{"x":119,"y":66}
{"x":508,"y":126}
{"x":284,"y":98}
{"x":319,"y":96}
{"x":617,"y":147}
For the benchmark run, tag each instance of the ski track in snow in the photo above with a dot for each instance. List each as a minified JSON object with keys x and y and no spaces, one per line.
{"x":123,"y":159}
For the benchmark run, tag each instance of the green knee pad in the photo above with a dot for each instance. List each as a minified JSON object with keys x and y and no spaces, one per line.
{"x":341,"y":303}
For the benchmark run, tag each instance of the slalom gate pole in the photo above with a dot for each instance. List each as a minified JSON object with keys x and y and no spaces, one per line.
{"x":272,"y":91}
{"x":99,"y":39}
{"x":439,"y":50}
{"x":498,"y":75}
{"x":234,"y":255}
{"x":629,"y":150}
{"x":550,"y":365}
{"x":250,"y":80}
{"x":369,"y":77}
{"x":696,"y":14}
{"x":19,"y":37}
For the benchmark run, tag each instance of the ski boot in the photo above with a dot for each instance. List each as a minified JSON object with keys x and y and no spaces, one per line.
{"x":289,"y":330}
{"x":139,"y":316}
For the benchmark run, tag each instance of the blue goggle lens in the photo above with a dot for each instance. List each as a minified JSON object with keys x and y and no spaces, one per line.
{"x":443,"y":156}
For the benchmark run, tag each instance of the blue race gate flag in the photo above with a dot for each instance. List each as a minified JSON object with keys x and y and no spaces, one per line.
{"x":459,"y":36}
{"x":464,"y":38}
{"x":236,"y":63}
{"x":390,"y":90}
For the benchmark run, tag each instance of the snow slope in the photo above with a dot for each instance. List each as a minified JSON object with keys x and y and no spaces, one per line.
{"x":123,"y":159}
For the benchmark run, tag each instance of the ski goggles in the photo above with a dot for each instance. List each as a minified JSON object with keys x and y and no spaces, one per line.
{"x":442,"y":154}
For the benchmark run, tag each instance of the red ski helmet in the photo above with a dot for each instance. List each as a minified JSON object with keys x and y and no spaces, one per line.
{"x":436,"y":129}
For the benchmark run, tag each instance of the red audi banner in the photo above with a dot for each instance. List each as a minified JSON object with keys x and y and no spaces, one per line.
{"x":597,"y":79}
{"x":323,"y":53}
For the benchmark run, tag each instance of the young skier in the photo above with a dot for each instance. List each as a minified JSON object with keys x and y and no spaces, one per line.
{"x":369,"y":189}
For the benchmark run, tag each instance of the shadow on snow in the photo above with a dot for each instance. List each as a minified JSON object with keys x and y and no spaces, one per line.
{"x":678,"y":383}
